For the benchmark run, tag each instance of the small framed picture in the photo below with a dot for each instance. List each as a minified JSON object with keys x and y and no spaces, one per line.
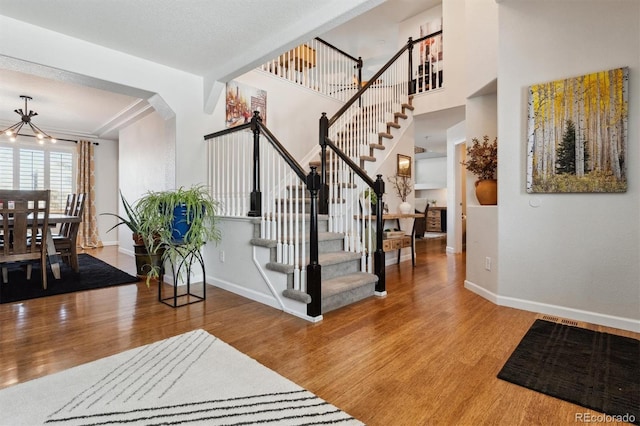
{"x":404,"y":165}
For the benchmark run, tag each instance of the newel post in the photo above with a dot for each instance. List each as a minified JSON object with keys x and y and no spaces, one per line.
{"x":412,"y":89}
{"x":256,"y":196}
{"x":378,"y":257}
{"x":359,"y":66}
{"x":324,"y":188}
{"x":314,"y":269}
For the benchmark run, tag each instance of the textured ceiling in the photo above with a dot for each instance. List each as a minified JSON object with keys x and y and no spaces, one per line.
{"x":187,"y":35}
{"x":191,"y":36}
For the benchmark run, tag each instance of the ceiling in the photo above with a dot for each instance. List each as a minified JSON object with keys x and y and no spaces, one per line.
{"x":200,"y":26}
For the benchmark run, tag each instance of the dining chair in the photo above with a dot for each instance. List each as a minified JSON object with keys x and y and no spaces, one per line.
{"x":66,"y":244}
{"x":24,"y":214}
{"x":68,"y":210}
{"x":416,"y":226}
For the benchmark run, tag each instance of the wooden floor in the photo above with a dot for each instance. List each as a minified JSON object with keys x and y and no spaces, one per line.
{"x":426,"y":354}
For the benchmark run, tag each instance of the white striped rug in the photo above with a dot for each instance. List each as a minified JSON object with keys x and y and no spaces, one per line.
{"x":193,"y":378}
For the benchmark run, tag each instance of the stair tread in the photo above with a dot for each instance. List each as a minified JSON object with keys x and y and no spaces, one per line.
{"x":394,"y":124}
{"x":367,"y":158}
{"x":377,"y":146}
{"x":321,"y":217}
{"x":347,"y":282}
{"x":322,"y":236}
{"x":408,"y":106}
{"x":324,"y":259}
{"x":400,"y":115}
{"x":385,"y":135}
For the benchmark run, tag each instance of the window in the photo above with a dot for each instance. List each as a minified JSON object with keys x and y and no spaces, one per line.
{"x":29,"y":167}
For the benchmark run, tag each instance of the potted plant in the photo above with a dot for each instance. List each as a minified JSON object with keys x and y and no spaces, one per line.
{"x":370,"y":195}
{"x":132,"y":220}
{"x":482,"y":160}
{"x":177,"y":221}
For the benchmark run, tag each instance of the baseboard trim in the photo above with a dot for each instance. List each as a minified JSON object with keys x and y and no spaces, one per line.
{"x":621,"y":323}
{"x":260,"y":298}
{"x":245,"y":292}
{"x":126,"y":251}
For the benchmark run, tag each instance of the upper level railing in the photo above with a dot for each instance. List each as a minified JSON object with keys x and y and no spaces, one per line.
{"x":319,"y":66}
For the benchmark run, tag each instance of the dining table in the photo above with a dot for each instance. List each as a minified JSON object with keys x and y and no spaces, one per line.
{"x":54,"y":219}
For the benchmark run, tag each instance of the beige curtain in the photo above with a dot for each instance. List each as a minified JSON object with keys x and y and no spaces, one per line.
{"x":88,"y":236}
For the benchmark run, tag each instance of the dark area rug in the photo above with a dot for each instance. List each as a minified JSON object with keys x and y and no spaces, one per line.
{"x":600,"y":371}
{"x":93,"y":273}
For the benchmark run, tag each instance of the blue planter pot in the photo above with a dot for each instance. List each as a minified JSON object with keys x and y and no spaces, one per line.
{"x":181,"y":224}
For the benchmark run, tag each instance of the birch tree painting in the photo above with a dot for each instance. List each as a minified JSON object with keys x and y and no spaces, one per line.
{"x":577,"y":134}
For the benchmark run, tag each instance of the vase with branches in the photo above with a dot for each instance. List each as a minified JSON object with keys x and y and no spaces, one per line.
{"x":482,"y":158}
{"x":403,"y":187}
{"x":482,"y":161}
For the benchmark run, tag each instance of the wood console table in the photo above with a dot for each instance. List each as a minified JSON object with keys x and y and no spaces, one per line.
{"x":408,"y":240}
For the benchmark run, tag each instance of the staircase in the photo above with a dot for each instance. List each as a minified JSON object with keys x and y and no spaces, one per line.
{"x":332,"y":259}
{"x":343,"y":280}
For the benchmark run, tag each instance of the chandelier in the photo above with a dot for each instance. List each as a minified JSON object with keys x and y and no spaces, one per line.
{"x":14,"y":130}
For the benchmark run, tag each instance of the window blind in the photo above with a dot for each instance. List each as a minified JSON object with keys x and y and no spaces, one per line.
{"x":28,"y":168}
{"x":60,"y":179}
{"x":6,"y":167}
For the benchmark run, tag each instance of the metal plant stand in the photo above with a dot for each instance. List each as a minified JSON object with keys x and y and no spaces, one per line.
{"x":186,"y":260}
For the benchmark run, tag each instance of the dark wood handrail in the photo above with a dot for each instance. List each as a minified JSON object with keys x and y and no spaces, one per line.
{"x":433,"y":34}
{"x":338,"y":50}
{"x":375,"y":77}
{"x":295,"y":166}
{"x":227,"y":131}
{"x":357,"y":169}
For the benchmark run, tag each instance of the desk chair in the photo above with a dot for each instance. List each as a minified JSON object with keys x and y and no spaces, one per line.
{"x":66,"y":244}
{"x":24,"y":214}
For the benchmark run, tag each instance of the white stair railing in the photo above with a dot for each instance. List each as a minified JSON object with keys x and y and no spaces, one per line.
{"x":283,"y":209}
{"x":363,"y":123}
{"x":319,"y":66}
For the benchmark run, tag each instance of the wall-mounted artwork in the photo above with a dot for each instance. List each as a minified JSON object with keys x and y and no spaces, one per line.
{"x":577,"y":134}
{"x":403,"y":166}
{"x":242,"y":101}
{"x":429,"y":75}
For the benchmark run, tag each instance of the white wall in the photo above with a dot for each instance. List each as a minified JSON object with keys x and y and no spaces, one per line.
{"x":431,"y":173}
{"x":482,"y":221}
{"x":454,"y":55}
{"x":482,"y":43}
{"x":142,"y":166}
{"x":481,"y":120}
{"x":182,"y":92}
{"x":456,"y":187}
{"x":293,"y":112}
{"x":106,"y":173}
{"x":482,"y":250}
{"x":576,"y":255}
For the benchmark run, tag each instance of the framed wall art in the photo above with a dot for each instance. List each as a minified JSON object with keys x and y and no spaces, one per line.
{"x":242,"y":101}
{"x":577,"y":134}
{"x":404,"y":166}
